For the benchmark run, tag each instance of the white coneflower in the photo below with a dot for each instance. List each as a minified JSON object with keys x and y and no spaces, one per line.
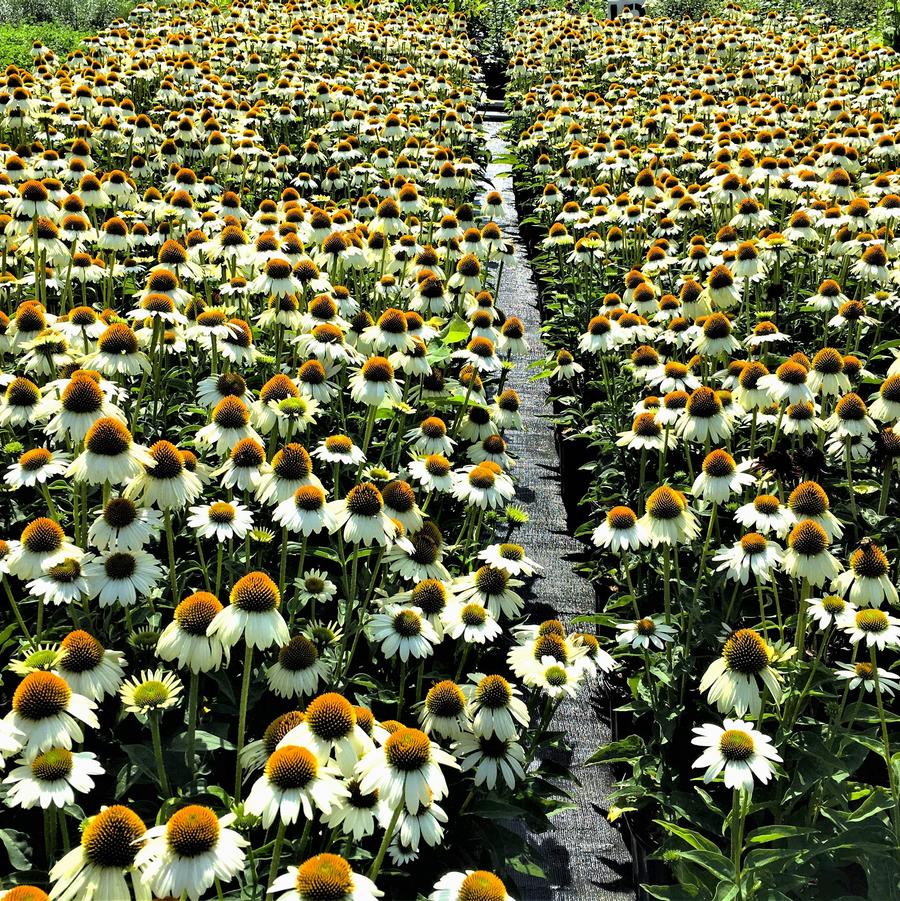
{"x":483,"y":485}
{"x":52,"y":778}
{"x":875,"y":628}
{"x":100,"y":866}
{"x":339,"y":449}
{"x":495,"y":707}
{"x":493,"y":760}
{"x":167,"y":483}
{"x":20,"y":405}
{"x":668,"y":519}
{"x":491,"y":587}
{"x":646,"y":433}
{"x":190,"y":852}
{"x":149,"y":692}
{"x":124,"y":526}
{"x":221,"y":520}
{"x":765,"y":514}
{"x":36,"y":467}
{"x":323,"y":876}
{"x":704,"y":419}
{"x":721,"y":477}
{"x":886,"y":405}
{"x":554,"y":678}
{"x":298,"y":670}
{"x":444,"y":711}
{"x":330,"y":729}
{"x":620,"y":530}
{"x":403,"y":631}
{"x":730,"y":679}
{"x":62,"y":583}
{"x":433,"y":472}
{"x":738,"y":750}
{"x":390,"y":332}
{"x":34,"y":658}
{"x":88,"y":668}
{"x":809,"y":501}
{"x":788,"y":383}
{"x":118,"y":353}
{"x":826,"y":611}
{"x":374,"y":382}
{"x":306,"y":511}
{"x":827,"y":376}
{"x":511,"y":558}
{"x":406,"y":770}
{"x":214,"y":389}
{"x":264,"y":410}
{"x":862,"y":675}
{"x":867,"y":580}
{"x":356,"y":817}
{"x":121,"y":577}
{"x":314,"y":585}
{"x":230,"y":423}
{"x":400,"y":505}
{"x":645,"y":633}
{"x":295,"y":781}
{"x":42,"y":545}
{"x":252,"y":614}
{"x":291,"y":468}
{"x":48,"y":712}
{"x":752,"y":553}
{"x":715,"y":338}
{"x":361,"y":516}
{"x":471,"y":884}
{"x":430,"y":437}
{"x":245,"y":467}
{"x":109,"y":455}
{"x":473,"y":623}
{"x":807,"y":556}
{"x":185,"y":639}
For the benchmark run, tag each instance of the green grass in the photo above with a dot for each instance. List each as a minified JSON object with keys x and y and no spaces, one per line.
{"x":16,"y":41}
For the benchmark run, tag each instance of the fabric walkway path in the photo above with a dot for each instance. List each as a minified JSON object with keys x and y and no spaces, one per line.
{"x":584,"y":857}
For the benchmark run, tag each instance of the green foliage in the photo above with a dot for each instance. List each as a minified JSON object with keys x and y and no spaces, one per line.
{"x":16,"y":41}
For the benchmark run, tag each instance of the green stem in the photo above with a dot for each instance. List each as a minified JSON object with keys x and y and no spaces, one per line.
{"x":885,"y":737}
{"x":737,"y":836}
{"x":15,"y":608}
{"x":193,"y":704}
{"x":170,"y":544}
{"x":242,"y":718}
{"x":276,"y":852}
{"x":388,"y":834}
{"x":158,"y":755}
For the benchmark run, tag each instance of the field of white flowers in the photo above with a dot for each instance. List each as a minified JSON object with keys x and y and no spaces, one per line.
{"x":266,"y":628}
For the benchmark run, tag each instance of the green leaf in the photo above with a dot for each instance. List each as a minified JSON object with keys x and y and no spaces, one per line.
{"x":205,"y":741}
{"x":623,"y":751}
{"x":522,"y":864}
{"x":496,"y":809}
{"x":665,"y":892}
{"x":141,"y":756}
{"x":878,"y":801}
{"x":17,"y":848}
{"x":775,"y":833}
{"x":711,"y":861}
{"x":457,"y":331}
{"x":694,"y":839}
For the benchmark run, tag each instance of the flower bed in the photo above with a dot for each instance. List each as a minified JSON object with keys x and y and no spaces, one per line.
{"x":711,"y":209}
{"x":266,"y":630}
